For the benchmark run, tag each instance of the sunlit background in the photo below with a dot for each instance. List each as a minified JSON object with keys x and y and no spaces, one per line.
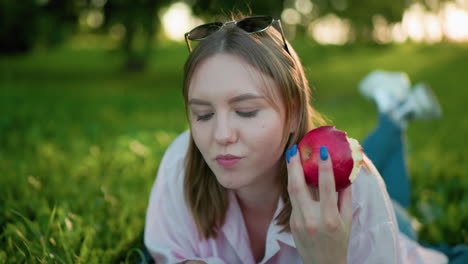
{"x":90,"y":99}
{"x":436,"y":21}
{"x":448,"y":23}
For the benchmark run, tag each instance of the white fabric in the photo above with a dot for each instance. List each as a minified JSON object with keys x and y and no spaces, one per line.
{"x":171,"y":237}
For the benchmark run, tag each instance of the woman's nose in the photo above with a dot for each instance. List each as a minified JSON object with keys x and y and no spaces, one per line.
{"x":225,"y":133}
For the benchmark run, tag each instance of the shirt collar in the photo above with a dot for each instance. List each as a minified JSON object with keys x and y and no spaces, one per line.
{"x":285,"y":237}
{"x":235,"y":230}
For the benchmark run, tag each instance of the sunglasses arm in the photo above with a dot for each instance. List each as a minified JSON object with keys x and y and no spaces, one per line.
{"x":282,"y":36}
{"x":188,"y":42}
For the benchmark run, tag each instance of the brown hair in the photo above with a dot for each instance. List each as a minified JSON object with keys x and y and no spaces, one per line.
{"x":206,"y":198}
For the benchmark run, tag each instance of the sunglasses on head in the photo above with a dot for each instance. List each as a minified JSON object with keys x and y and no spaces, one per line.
{"x":253,"y":24}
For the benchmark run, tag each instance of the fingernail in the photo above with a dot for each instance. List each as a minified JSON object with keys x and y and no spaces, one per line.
{"x":293,"y":150}
{"x":323,"y":153}
{"x":288,"y":156}
{"x":291,"y":153}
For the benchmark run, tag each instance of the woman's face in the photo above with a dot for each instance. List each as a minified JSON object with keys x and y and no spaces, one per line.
{"x":236,"y":129}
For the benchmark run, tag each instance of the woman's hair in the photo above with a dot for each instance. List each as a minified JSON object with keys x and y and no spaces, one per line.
{"x":265,"y":51}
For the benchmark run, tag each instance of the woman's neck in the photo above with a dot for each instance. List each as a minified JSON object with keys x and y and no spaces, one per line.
{"x":261,"y":201}
{"x":258,"y":205}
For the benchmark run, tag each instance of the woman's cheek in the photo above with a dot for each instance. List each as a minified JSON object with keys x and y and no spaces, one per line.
{"x":199,"y":135}
{"x":269,"y":133}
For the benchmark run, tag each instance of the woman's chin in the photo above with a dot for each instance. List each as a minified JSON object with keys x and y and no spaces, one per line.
{"x":230,"y":181}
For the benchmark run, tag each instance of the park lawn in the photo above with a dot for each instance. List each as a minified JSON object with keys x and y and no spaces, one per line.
{"x":81,"y":140}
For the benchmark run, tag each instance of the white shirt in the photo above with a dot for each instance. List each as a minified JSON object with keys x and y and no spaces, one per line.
{"x":171,"y":235}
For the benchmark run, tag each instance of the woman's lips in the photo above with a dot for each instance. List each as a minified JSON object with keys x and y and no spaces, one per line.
{"x":227,"y":161}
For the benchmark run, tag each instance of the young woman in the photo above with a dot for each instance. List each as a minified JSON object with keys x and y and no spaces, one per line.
{"x":226,"y":191}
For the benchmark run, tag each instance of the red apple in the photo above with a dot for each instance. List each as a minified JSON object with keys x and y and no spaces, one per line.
{"x":345,"y":153}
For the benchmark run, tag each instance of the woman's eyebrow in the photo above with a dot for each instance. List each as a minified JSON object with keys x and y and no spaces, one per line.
{"x":243,"y":97}
{"x":235,"y":99}
{"x":194,"y":101}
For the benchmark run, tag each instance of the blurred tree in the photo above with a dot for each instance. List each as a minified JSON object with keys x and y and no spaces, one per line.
{"x":141,"y":22}
{"x":362,"y":12}
{"x":210,"y":8}
{"x":27,"y":23}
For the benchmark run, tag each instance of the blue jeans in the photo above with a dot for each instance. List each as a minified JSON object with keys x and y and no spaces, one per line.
{"x":385,"y":146}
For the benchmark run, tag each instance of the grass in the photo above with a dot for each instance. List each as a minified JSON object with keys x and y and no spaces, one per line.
{"x":80,"y":142}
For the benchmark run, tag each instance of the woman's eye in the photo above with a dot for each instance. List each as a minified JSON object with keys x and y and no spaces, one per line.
{"x":247,"y":114}
{"x":204,"y":117}
{"x":242,"y":114}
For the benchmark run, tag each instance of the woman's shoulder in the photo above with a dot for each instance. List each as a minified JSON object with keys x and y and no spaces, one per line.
{"x":170,"y":176}
{"x":369,"y":190}
{"x":370,"y":195}
{"x":180,"y":143}
{"x":369,"y":177}
{"x":177,"y":150}
{"x":171,"y":167}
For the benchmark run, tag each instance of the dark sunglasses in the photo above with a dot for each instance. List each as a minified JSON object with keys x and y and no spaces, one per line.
{"x":253,"y":24}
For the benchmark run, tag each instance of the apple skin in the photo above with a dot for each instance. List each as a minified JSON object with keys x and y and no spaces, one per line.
{"x":345,"y":153}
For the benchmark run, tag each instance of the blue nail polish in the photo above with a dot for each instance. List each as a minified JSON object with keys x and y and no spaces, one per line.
{"x":293,"y":150}
{"x":323,"y":153}
{"x":288,"y":156}
{"x":291,"y":153}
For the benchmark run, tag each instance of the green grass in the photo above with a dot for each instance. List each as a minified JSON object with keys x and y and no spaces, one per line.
{"x":80,"y":142}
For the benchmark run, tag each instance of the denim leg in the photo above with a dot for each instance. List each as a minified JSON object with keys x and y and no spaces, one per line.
{"x":404,"y":221}
{"x":457,"y":254}
{"x":385,"y":147}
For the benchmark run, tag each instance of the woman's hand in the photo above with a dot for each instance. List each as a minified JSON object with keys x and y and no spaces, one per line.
{"x":320,"y":221}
